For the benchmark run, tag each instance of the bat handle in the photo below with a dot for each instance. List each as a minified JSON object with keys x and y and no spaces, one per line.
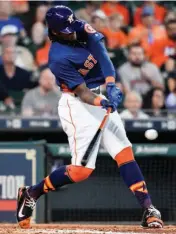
{"x":105,"y":118}
{"x":109,"y":110}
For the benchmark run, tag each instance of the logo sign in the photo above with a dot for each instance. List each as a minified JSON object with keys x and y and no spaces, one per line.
{"x":88,"y":28}
{"x":70,"y":18}
{"x":17,"y":169}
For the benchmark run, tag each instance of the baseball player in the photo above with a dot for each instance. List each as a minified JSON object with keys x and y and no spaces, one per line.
{"x":80,"y":63}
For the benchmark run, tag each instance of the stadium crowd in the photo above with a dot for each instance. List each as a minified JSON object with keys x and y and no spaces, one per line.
{"x":140,"y":38}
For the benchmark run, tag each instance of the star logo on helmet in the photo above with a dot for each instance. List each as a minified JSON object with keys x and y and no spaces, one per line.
{"x":70,"y":18}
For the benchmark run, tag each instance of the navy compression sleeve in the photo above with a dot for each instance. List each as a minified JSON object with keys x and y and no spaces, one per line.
{"x":99,"y":51}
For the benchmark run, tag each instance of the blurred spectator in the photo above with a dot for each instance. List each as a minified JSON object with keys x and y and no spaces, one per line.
{"x":38,"y":34}
{"x":6,"y":19}
{"x":9,"y":37}
{"x":148,"y":31}
{"x":171,"y":98}
{"x":13,"y":78}
{"x":42,"y":100}
{"x":171,"y":15}
{"x":154,"y":102}
{"x":111,"y":7}
{"x":159,"y":12}
{"x":41,"y":41}
{"x":42,"y":54}
{"x":86,"y":12}
{"x":138,"y":74}
{"x":41,"y":13}
{"x":116,"y":38}
{"x":163,"y":52}
{"x":99,"y":21}
{"x":20,"y":7}
{"x":133,"y":104}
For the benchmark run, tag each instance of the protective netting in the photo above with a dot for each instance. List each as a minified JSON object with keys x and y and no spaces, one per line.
{"x":105,"y":197}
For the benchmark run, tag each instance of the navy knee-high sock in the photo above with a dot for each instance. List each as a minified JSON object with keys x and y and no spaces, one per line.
{"x":134,"y":179}
{"x":56,"y":179}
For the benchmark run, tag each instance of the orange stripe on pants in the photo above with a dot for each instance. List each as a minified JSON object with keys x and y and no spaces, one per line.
{"x":74,"y":131}
{"x":125,"y":156}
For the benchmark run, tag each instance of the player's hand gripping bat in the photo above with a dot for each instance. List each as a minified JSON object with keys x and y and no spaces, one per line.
{"x":93,"y":142}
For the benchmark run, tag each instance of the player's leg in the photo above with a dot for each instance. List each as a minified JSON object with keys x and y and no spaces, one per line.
{"x":80,"y":127}
{"x":117,"y":144}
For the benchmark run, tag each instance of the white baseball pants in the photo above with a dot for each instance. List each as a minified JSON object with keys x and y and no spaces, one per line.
{"x":80,"y":122}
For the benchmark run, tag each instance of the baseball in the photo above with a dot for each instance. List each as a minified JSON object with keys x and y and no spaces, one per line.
{"x":151,"y":134}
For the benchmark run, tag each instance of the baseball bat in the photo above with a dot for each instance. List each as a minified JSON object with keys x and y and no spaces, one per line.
{"x":93,"y":142}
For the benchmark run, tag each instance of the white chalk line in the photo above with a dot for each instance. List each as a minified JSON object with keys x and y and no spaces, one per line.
{"x":72,"y":231}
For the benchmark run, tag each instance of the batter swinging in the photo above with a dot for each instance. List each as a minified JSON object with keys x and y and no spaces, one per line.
{"x":79,"y":61}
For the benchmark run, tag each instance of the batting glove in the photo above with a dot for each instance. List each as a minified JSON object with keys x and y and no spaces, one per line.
{"x":107,"y":104}
{"x":114,"y":93}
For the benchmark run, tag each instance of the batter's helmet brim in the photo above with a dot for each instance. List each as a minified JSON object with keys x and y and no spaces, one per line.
{"x":67,"y":30}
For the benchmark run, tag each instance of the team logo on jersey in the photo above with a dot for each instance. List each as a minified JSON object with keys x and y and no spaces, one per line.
{"x":88,"y":28}
{"x":88,"y":65}
{"x":70,"y":18}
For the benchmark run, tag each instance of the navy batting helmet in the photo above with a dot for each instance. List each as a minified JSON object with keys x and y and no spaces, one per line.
{"x":60,"y":19}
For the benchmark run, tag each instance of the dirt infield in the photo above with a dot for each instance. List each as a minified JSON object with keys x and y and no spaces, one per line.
{"x":82,"y":229}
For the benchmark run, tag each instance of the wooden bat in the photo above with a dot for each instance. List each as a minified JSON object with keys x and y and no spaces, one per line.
{"x":93,"y":142}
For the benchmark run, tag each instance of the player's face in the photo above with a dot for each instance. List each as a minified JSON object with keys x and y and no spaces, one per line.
{"x":66,"y":37}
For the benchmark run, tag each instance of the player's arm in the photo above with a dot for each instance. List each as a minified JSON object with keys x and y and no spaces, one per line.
{"x":87,"y":96}
{"x":98,"y":50}
{"x":100,"y":53}
{"x":69,"y":76}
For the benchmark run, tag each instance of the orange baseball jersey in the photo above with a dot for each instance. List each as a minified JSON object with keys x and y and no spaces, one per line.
{"x":161,"y":50}
{"x":147,"y":37}
{"x":159,"y":13}
{"x":42,"y":55}
{"x":115,"y":39}
{"x":110,"y":8}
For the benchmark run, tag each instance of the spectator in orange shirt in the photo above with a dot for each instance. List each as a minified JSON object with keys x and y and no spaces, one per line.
{"x":116,"y":38}
{"x":42,"y":54}
{"x":159,"y":12}
{"x":20,"y":7}
{"x":147,"y":32}
{"x":110,"y":8}
{"x":163,"y":52}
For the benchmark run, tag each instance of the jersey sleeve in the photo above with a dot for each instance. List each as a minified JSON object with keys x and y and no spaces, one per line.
{"x":98,"y":50}
{"x":66,"y":74}
{"x":85,"y":32}
{"x":92,"y":34}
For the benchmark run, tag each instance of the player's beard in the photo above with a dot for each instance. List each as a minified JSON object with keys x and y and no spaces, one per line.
{"x":72,"y":36}
{"x":67,"y":37}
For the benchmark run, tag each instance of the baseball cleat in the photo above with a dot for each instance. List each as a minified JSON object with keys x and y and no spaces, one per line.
{"x":25,"y":207}
{"x":152,"y":218}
